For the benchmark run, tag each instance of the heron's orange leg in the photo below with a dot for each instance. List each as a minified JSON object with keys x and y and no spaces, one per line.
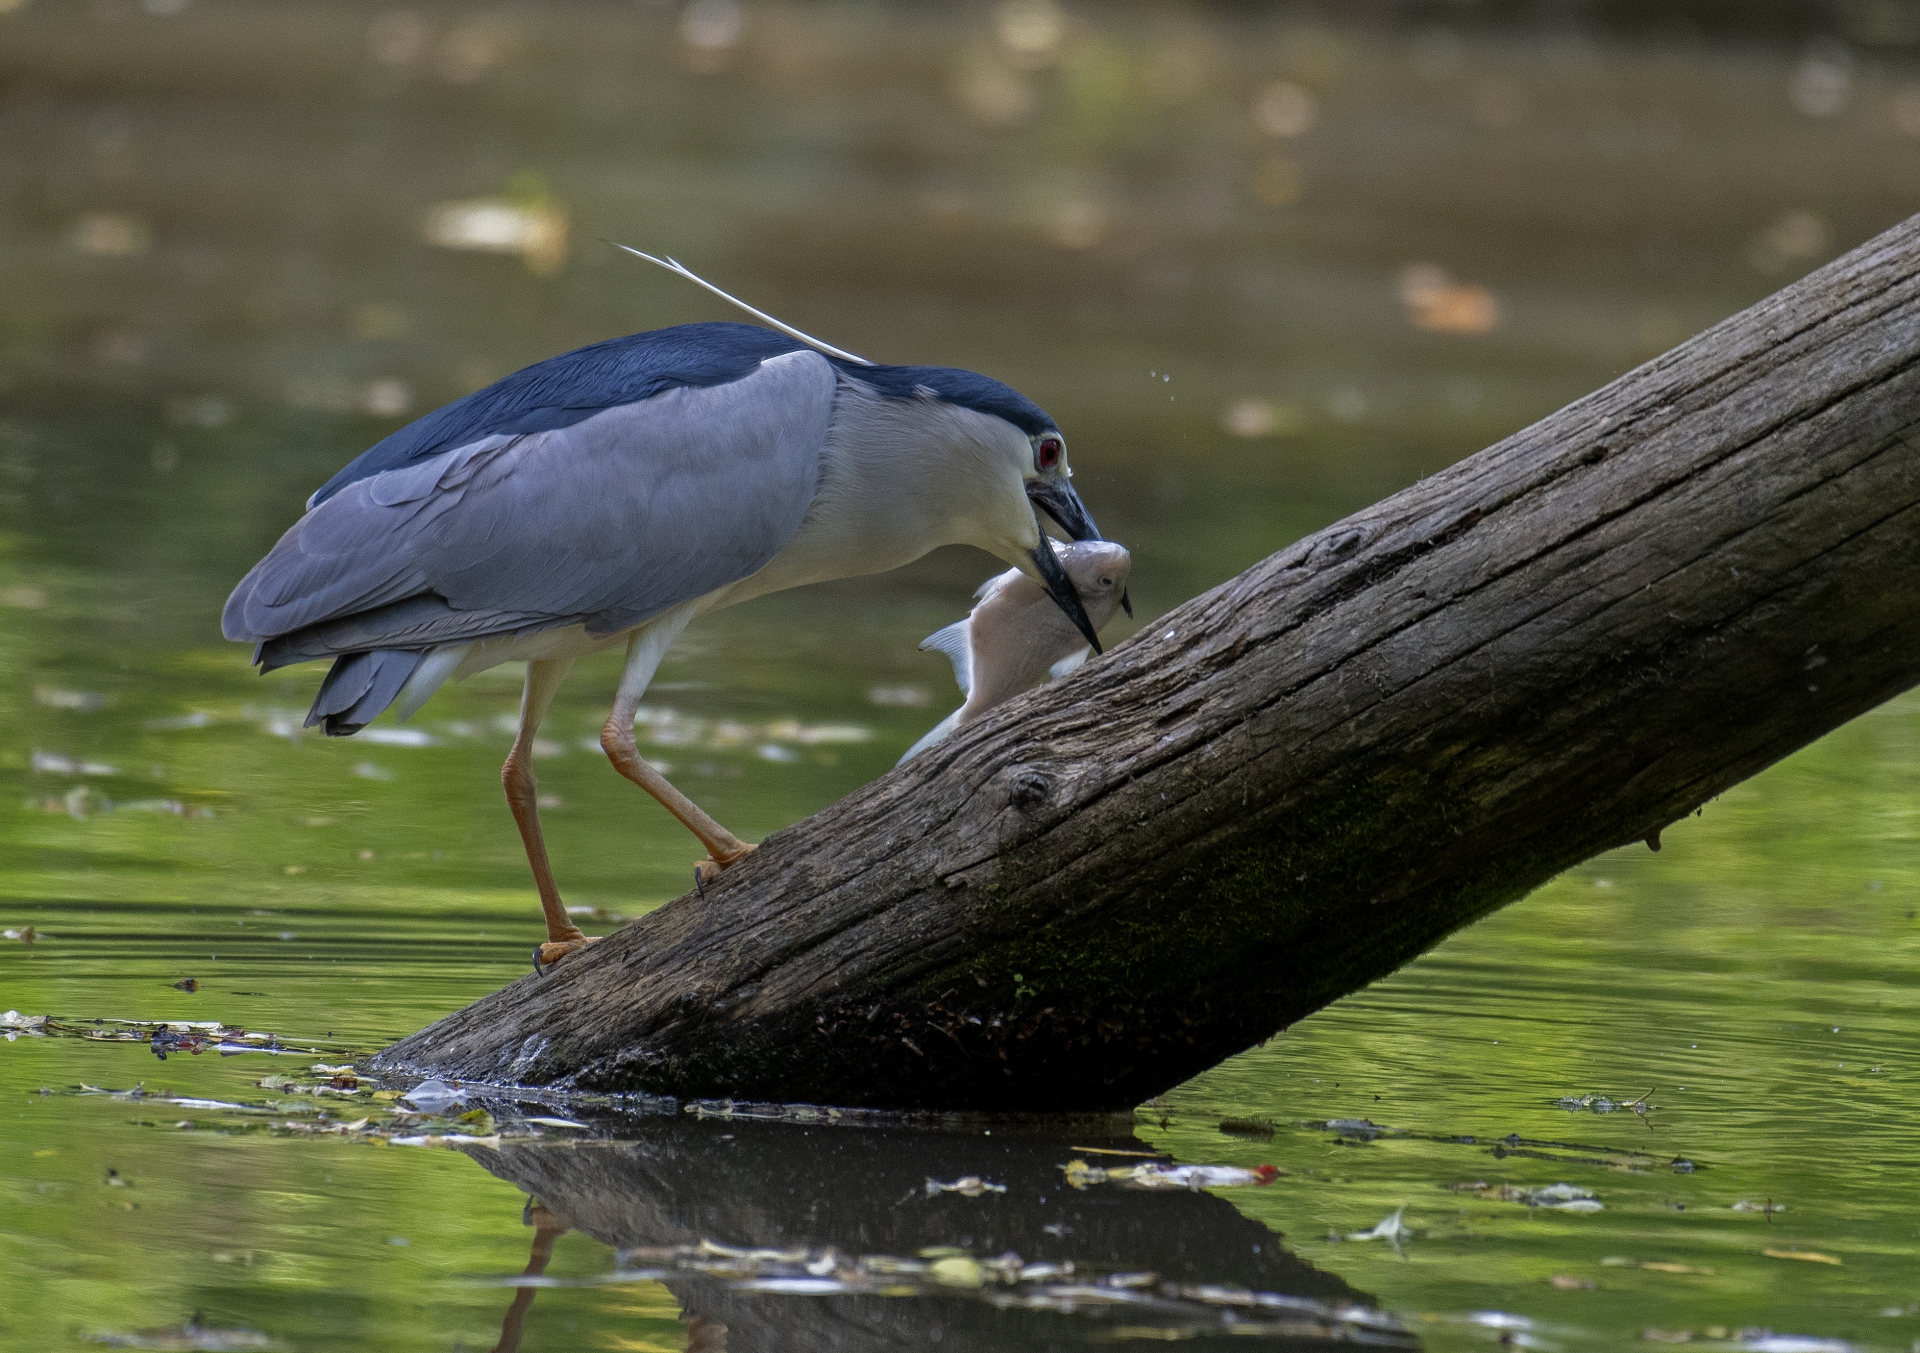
{"x":516,"y":776}
{"x":616,"y":739}
{"x":547,"y":1229}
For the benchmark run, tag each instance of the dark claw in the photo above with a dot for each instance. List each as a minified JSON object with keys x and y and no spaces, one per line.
{"x":699,"y":881}
{"x":538,"y":971}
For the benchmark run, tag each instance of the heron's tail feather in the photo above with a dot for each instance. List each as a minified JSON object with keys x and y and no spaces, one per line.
{"x":359,"y":687}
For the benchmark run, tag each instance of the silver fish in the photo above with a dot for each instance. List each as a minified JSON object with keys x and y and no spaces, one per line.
{"x":1016,"y":636}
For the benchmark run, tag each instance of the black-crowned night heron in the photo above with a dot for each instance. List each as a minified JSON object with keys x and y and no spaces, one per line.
{"x":610,"y":495}
{"x":1015,"y":637}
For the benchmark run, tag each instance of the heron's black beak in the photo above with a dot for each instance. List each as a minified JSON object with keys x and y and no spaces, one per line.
{"x":1060,"y":587}
{"x":1060,"y":502}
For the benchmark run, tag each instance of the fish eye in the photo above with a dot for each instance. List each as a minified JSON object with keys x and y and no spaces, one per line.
{"x":1047,"y":451}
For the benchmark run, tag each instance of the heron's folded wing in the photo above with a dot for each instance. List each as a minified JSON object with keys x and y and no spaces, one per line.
{"x":605,"y":522}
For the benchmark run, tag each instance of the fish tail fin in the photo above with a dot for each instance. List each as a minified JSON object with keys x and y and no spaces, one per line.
{"x":953,"y":642}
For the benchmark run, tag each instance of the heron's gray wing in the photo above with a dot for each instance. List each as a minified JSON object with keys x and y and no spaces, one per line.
{"x":608,"y":521}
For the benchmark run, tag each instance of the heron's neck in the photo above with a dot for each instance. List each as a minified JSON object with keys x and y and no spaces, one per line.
{"x":899,"y":478}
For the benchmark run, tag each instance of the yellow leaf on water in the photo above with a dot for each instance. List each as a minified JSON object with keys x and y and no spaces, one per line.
{"x":1809,"y":1255}
{"x":956,"y":1271}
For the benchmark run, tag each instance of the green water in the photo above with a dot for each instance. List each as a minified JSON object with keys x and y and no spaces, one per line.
{"x":219,"y":289}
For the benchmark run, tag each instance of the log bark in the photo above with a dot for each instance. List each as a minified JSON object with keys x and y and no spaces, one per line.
{"x":1298,"y":781}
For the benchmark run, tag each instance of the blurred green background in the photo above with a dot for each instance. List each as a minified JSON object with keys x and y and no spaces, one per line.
{"x":1265,"y":264}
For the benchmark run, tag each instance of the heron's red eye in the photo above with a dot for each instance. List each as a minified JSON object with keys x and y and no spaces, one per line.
{"x":1047,"y":452}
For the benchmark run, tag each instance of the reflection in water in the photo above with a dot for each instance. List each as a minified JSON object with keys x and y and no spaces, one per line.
{"x":547,"y":1228}
{"x":1264,"y":265}
{"x":776,"y":1236}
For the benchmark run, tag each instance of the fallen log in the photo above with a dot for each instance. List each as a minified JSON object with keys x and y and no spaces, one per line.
{"x":1298,"y":781}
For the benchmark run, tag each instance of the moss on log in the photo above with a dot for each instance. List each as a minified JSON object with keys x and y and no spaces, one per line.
{"x":1300,"y":780}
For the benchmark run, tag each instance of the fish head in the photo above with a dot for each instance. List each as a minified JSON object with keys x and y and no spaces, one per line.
{"x":1098,"y":570}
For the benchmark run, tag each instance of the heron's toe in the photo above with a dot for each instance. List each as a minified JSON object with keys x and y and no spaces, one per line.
{"x":709,"y":869}
{"x":550,"y":953}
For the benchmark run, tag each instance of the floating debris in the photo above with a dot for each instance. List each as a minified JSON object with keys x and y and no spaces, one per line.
{"x":1390,"y":1229}
{"x":1081,"y":1175}
{"x":1132,"y":1155}
{"x":187,"y":984}
{"x":53,"y":763}
{"x":1811,"y":1256}
{"x":1560,"y":1197}
{"x":165,"y":1041}
{"x":163,"y":1036}
{"x":759,"y":1111}
{"x":191,"y":1336}
{"x":84,"y":801}
{"x":1563,"y":1282}
{"x":1603,"y":1104}
{"x":969,"y":1186}
{"x":434,"y":1095}
{"x":14,"y":1024}
{"x":1004,"y":1281}
{"x":957,"y":1271}
{"x":25,"y":934}
{"x":1653,"y":1265}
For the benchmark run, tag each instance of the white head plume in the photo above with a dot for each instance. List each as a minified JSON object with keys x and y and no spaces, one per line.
{"x":674,"y":265}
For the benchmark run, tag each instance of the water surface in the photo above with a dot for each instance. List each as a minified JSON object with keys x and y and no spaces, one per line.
{"x":1263,"y":270}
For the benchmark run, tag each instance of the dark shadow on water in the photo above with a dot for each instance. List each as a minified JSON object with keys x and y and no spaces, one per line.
{"x":850,"y":1250}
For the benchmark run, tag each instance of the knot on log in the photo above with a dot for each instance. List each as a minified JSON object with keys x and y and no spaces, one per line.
{"x":1029,"y":788}
{"x":1339,"y":546}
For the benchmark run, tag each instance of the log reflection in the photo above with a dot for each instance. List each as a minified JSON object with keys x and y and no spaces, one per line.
{"x":861,"y":1194}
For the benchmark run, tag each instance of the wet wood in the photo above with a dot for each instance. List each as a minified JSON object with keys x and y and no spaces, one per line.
{"x":1300,"y":780}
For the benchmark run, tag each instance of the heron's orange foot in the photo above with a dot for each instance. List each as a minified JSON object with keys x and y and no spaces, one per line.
{"x":550,"y":953}
{"x":709,"y":869}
